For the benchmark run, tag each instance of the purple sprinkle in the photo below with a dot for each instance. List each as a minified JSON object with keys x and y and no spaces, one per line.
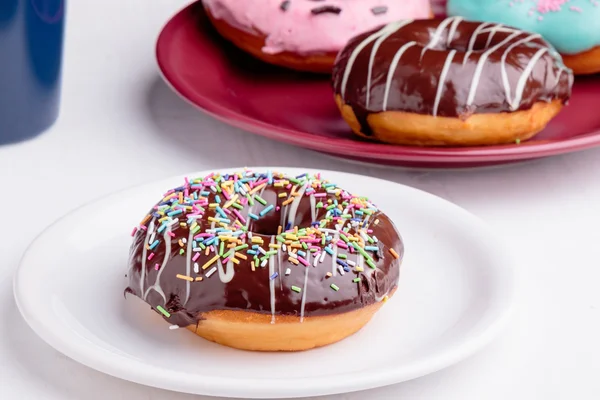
{"x":379,"y":10}
{"x":326,"y":9}
{"x":275,"y":275}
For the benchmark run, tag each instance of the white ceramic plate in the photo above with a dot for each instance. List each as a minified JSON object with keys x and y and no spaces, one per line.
{"x":455,"y":293}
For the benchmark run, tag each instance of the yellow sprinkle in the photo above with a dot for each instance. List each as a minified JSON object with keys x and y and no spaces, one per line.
{"x":199,"y":278}
{"x":225,"y":238}
{"x":278,"y":184}
{"x":274,"y":246}
{"x":230,"y":202}
{"x":163,"y":219}
{"x":296,"y":230}
{"x":376,"y":221}
{"x":282,"y":194}
{"x":209,"y":262}
{"x":213,"y":205}
{"x":256,"y":239}
{"x":293,"y":260}
{"x":185,"y":277}
{"x":359,"y":269}
{"x":393,"y":253}
{"x":288,"y":201}
{"x":329,"y":274}
{"x":291,"y":237}
{"x":235,"y":260}
{"x":252,"y":265}
{"x":329,"y":201}
{"x":213,"y":219}
{"x":206,"y":251}
{"x":259,"y":187}
{"x":183,"y":224}
{"x":240,"y":255}
{"x":279,"y":229}
{"x":385,"y":298}
{"x":296,"y":245}
{"x":288,"y":242}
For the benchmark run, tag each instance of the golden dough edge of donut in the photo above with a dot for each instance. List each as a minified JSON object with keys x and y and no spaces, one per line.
{"x":253,"y":44}
{"x":584,"y":63}
{"x":404,"y":128}
{"x":246,"y":330}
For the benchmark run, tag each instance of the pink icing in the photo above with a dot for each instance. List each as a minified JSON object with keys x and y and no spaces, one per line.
{"x":300,"y":31}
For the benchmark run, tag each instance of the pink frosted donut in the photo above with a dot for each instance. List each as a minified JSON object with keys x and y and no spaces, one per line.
{"x":305,"y":34}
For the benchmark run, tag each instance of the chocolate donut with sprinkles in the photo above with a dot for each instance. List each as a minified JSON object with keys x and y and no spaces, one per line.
{"x":449,"y":82}
{"x":304,"y":35}
{"x":265,"y":261}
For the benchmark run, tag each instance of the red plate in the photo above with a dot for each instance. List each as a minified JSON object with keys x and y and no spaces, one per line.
{"x":299,"y":109}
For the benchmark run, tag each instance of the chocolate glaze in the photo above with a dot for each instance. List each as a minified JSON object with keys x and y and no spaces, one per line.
{"x":250,"y":290}
{"x":440,"y":65}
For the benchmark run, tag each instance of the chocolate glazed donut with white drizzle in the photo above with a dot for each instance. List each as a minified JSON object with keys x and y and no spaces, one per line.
{"x":265,"y":261}
{"x":449,"y":82}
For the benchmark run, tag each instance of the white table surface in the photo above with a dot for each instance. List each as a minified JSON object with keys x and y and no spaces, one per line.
{"x":117,"y":115}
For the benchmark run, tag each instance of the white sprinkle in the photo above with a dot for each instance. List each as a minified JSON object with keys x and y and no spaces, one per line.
{"x":152,"y":237}
{"x":375,"y":238}
{"x":197,"y":249}
{"x":173,"y":327}
{"x":341,"y":270}
{"x":212,"y":271}
{"x":293,"y":255}
{"x":350,"y":262}
{"x":262,"y":264}
{"x":262,"y":250}
{"x":284,"y":247}
{"x":316,"y":260}
{"x":183,"y":240}
{"x":250,"y":235}
{"x":322,"y":257}
{"x":196,"y":267}
{"x":288,"y":271}
{"x":173,"y":222}
{"x":213,"y":188}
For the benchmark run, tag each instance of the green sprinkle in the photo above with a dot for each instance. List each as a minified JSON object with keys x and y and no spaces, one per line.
{"x":296,"y":289}
{"x":238,"y":206}
{"x":346,"y":216}
{"x":356,"y":280}
{"x":320,"y":204}
{"x":371,"y":264}
{"x":294,"y":180}
{"x":304,"y":245}
{"x":314,"y":250}
{"x":280,"y":239}
{"x":195,"y":229}
{"x":250,"y":200}
{"x":230,"y":252}
{"x":342,"y":256}
{"x":331,"y":207}
{"x":221,"y":249}
{"x":518,"y":141}
{"x":367,"y":211}
{"x":202,"y":245}
{"x":260,"y":200}
{"x":323,"y":223}
{"x":271,"y":253}
{"x":323,"y":240}
{"x":163,"y":311}
{"x":370,"y":239}
{"x":344,"y":237}
{"x":335,"y":287}
{"x":181,"y":251}
{"x":241,"y":247}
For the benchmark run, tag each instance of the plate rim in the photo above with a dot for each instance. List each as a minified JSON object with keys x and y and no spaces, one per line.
{"x":138,"y":372}
{"x":377,"y":151}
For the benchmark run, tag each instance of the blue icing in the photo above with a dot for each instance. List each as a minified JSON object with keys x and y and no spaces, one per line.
{"x":569,"y":31}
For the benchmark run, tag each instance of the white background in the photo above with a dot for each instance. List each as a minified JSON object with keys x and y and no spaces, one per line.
{"x":120,"y":125}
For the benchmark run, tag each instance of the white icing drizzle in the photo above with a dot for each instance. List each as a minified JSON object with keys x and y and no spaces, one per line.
{"x":504,"y":74}
{"x":304,"y":289}
{"x":313,"y":208}
{"x":437,"y":35}
{"x":395,"y":28}
{"x":523,"y":78}
{"x":334,"y":241}
{"x":476,"y":33}
{"x":393,"y":66}
{"x":294,"y":206}
{"x":480,"y":64}
{"x":442,"y":81}
{"x":225,"y":276}
{"x":188,"y":266}
{"x":492,"y":32}
{"x":272,"y":284}
{"x":149,"y":233}
{"x":452,"y":30}
{"x":362,"y":45}
{"x":156,"y":287}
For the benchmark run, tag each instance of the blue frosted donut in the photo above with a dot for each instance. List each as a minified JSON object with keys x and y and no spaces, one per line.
{"x":572,"y":26}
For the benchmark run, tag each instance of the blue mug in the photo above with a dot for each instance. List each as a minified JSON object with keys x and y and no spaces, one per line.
{"x":31,"y":43}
